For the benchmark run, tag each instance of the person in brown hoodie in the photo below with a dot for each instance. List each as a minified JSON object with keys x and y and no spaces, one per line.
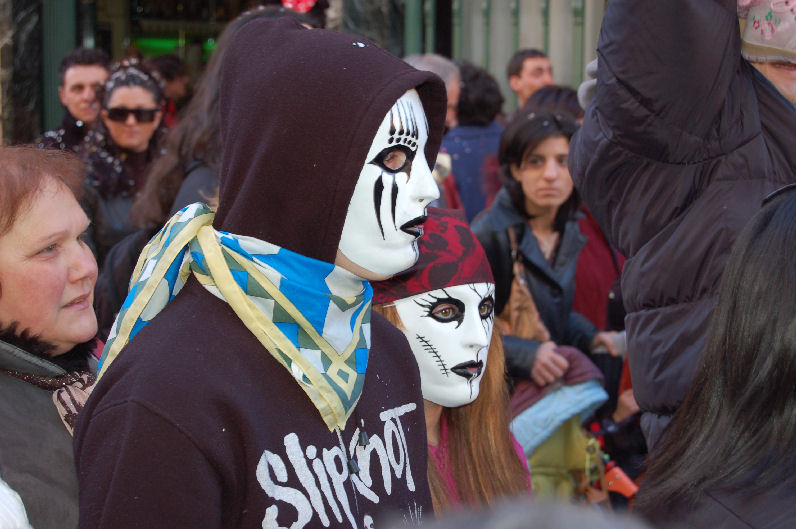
{"x":265,"y":393}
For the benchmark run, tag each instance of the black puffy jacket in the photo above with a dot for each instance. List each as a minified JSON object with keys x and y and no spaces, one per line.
{"x":680,"y":145}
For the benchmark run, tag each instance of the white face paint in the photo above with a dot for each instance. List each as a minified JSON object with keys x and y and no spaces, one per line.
{"x":388,"y":206}
{"x":449,"y":331}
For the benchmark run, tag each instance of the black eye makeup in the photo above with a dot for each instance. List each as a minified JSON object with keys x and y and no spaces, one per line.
{"x":394,"y":159}
{"x":486,"y":308}
{"x":443,"y":309}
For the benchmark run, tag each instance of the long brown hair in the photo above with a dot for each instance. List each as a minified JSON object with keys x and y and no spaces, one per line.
{"x":480,"y":451}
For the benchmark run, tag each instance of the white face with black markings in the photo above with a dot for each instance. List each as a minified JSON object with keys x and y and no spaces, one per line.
{"x":449,"y":331}
{"x":388,"y":207}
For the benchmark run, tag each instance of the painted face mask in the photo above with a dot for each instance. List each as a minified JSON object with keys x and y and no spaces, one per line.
{"x":449,"y":332}
{"x":388,"y":207}
{"x":446,"y":306}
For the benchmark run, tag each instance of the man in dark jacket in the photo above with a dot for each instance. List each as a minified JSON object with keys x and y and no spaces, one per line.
{"x":682,"y":141}
{"x":81,"y":74}
{"x":256,"y":388}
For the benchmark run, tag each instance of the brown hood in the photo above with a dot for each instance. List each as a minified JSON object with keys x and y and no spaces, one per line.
{"x":299,"y":110}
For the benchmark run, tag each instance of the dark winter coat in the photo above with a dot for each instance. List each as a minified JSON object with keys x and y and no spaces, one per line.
{"x":469,"y":146}
{"x":196,"y":424}
{"x":35,"y":447}
{"x":67,"y":136}
{"x":552,"y":286}
{"x":683,"y":140}
{"x":113,"y":281}
{"x":201,"y":182}
{"x":772,"y":509}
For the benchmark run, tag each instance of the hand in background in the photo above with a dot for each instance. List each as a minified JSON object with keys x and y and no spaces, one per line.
{"x":548,"y":365}
{"x":606,"y":340}
{"x":588,"y":88}
{"x":626,"y":406}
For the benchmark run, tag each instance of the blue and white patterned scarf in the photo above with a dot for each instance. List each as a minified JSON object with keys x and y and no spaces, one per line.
{"x":311,"y":316}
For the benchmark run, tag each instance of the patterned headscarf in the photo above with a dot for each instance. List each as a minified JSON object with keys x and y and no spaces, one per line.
{"x":450,"y":255}
{"x":130,"y":72}
{"x":770,"y":31}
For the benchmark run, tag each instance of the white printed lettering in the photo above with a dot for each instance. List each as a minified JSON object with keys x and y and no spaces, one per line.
{"x":338,"y":476}
{"x":320,"y":471}
{"x":330,"y":467}
{"x":279,"y":493}
{"x":296,"y":456}
{"x":396,"y":413}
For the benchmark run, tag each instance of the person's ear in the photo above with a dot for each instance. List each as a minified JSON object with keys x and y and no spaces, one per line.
{"x":61,"y":93}
{"x":514,"y":82}
{"x":158,"y":118}
{"x":515,"y":172}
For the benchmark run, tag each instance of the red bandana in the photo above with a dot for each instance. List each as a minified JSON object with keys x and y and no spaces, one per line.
{"x":450,"y":255}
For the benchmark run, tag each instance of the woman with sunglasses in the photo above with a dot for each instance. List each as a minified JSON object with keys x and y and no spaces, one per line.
{"x":120,"y":150}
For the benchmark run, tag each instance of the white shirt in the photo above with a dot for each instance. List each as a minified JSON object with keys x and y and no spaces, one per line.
{"x":12,"y":510}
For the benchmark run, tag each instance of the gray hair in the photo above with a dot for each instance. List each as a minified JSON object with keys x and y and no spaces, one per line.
{"x":431,"y":62}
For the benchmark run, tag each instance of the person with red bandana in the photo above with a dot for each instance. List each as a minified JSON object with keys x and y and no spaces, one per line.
{"x":445,"y":305}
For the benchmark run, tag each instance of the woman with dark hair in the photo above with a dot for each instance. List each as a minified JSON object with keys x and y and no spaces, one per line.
{"x":558,"y":99}
{"x":445,"y":307}
{"x":727,"y":458}
{"x":191,"y":154}
{"x":598,"y":297}
{"x":538,"y":204}
{"x":119,"y":152}
{"x":47,"y":329}
{"x":533,"y":222}
{"x":555,"y":98}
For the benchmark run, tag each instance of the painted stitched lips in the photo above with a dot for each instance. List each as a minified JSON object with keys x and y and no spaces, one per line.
{"x":469,"y":369}
{"x":415,"y":226}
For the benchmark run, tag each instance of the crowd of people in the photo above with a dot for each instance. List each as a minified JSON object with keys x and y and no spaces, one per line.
{"x":342,"y":289}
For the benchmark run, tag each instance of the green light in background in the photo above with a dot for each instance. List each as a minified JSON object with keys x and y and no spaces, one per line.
{"x":154,"y":46}
{"x":208,"y":47}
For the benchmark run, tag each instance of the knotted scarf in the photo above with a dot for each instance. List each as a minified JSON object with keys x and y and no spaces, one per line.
{"x":311,"y":316}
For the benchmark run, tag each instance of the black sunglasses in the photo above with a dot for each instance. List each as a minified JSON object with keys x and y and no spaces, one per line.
{"x":141,"y":115}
